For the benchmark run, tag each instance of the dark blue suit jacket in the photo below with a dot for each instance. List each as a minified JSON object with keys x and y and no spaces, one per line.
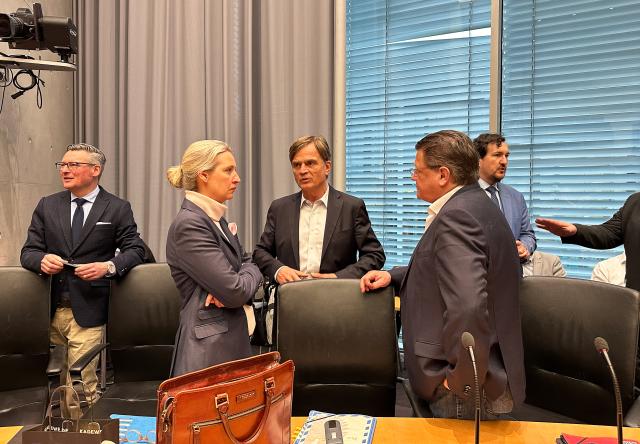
{"x":50,"y":232}
{"x":204,"y":261}
{"x":464,"y":275}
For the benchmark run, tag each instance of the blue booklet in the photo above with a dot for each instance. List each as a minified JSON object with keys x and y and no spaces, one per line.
{"x":355,"y":428}
{"x":136,"y":428}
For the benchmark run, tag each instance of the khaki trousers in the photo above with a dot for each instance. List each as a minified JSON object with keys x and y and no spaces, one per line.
{"x":78,"y":340}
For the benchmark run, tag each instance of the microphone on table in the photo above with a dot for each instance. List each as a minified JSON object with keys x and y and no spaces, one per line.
{"x":469,"y":343}
{"x":603,"y":348}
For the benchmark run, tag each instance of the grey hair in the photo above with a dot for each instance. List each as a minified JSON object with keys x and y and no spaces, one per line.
{"x":96,"y":154}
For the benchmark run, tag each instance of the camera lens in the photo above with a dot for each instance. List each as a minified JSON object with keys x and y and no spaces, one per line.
{"x":12,"y":27}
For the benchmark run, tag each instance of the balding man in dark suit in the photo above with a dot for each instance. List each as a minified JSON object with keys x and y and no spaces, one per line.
{"x":463,"y":276}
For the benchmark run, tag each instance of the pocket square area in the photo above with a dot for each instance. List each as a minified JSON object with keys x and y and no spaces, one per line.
{"x":103,"y":223}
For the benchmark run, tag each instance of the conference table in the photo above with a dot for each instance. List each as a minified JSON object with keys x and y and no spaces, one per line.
{"x":444,"y":431}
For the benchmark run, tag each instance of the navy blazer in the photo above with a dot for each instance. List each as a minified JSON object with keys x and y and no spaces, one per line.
{"x":204,"y":261}
{"x":350,"y":248}
{"x":464,"y":275}
{"x":109,"y":226}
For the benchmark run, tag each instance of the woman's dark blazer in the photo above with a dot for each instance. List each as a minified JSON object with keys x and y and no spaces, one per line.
{"x":203,"y":261}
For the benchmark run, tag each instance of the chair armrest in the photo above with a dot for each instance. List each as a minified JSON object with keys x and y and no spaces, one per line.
{"x":632,"y":418}
{"x":57,"y":355}
{"x":420,"y":408}
{"x":76,"y":368}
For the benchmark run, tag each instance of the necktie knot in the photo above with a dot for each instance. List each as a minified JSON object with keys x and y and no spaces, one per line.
{"x":80,"y":201}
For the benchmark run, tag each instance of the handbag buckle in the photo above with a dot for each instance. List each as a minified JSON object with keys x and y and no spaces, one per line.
{"x":269,"y":385}
{"x":222,"y":402}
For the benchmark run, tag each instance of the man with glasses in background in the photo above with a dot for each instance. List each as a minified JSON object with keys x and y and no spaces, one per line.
{"x":73,"y":238}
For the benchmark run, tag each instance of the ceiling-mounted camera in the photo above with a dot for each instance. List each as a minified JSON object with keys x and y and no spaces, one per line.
{"x":28,"y":30}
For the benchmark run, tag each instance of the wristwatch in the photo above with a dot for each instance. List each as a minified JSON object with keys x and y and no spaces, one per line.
{"x":111,"y":268}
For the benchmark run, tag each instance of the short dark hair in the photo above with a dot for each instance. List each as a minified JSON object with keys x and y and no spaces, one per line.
{"x":483,"y":140}
{"x":451,"y":149}
{"x":318,"y":141}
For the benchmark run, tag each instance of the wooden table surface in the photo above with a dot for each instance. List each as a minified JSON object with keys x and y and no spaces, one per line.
{"x":442,"y":431}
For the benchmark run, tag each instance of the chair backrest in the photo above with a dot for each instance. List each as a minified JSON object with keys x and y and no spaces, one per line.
{"x":343,"y":344}
{"x":143,"y":319}
{"x":560,"y":319}
{"x":24,"y":328}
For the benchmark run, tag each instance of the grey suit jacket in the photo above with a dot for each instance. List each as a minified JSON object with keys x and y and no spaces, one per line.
{"x":203,"y":261}
{"x":50,"y":232}
{"x":350,"y":248}
{"x":463,"y":276}
{"x":546,"y":264}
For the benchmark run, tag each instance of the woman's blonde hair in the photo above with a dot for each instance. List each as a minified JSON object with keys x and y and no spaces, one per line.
{"x":199,"y":156}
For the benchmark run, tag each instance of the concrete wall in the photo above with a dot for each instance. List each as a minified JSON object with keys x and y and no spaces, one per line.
{"x":31,"y":140}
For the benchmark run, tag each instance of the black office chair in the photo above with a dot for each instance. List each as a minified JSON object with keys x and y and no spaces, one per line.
{"x":567,"y":380}
{"x":343,"y":344}
{"x":143,"y":319}
{"x":24,"y":347}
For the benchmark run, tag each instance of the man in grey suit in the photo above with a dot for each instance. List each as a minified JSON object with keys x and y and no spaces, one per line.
{"x":73,"y":237}
{"x":494,"y":159}
{"x":463,"y":276}
{"x":543,"y":264}
{"x":318,"y":232}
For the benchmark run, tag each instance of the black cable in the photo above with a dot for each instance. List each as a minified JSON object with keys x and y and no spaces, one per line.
{"x":6,"y":78}
{"x":35,"y":81}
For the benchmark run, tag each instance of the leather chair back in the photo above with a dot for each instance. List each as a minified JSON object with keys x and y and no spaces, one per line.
{"x":24,"y":345}
{"x":343,"y":344}
{"x":560,"y":319}
{"x":143,"y":320}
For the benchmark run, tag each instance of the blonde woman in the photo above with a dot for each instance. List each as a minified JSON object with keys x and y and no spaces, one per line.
{"x":208,"y":264}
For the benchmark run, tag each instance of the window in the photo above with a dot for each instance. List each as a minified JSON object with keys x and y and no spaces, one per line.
{"x":570,"y":106}
{"x":571,"y":112}
{"x":413,"y":67}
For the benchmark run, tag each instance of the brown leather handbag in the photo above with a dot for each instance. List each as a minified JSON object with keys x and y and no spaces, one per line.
{"x":244,"y":401}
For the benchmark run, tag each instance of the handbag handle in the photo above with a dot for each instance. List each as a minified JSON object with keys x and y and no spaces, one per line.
{"x":222,"y":405}
{"x":61,"y":388}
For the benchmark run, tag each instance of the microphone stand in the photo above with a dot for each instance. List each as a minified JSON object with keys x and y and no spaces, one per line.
{"x":469,"y":342}
{"x":475,"y":380}
{"x":603,"y":347}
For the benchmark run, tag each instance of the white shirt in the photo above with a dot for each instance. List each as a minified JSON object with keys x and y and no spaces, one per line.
{"x":313,"y":218}
{"x":86,"y":207}
{"x":435,"y":207}
{"x":611,"y":271}
{"x":214,"y":209}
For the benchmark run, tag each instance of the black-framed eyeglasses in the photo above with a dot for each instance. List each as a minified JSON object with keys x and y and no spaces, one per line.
{"x":72,"y":165}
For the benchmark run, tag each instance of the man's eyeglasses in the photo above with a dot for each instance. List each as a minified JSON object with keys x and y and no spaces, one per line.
{"x":416,"y":171}
{"x":72,"y":165}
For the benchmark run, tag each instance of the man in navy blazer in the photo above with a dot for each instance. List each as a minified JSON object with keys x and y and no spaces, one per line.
{"x":494,"y":159}
{"x":318,"y":232}
{"x":463,"y":276}
{"x":73,"y":237}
